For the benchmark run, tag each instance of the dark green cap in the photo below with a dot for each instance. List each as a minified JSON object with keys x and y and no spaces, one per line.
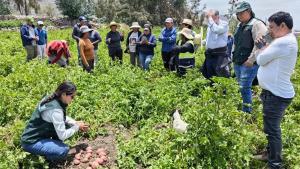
{"x":242,"y":6}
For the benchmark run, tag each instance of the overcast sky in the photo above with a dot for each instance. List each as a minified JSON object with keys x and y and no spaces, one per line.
{"x":262,"y":8}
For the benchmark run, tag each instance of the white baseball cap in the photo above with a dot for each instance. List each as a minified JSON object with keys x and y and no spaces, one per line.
{"x":40,"y":23}
{"x":169,"y":20}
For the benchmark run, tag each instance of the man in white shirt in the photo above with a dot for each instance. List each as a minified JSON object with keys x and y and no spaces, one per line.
{"x":277,"y":62}
{"x":216,"y":46}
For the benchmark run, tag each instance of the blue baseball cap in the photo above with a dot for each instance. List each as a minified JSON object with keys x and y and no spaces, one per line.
{"x":82,"y":18}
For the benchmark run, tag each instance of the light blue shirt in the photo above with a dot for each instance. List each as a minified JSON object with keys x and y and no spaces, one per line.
{"x":217,"y":34}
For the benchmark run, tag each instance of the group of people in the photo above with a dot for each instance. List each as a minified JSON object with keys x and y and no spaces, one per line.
{"x":34,"y":39}
{"x":269,"y":54}
{"x":139,"y":45}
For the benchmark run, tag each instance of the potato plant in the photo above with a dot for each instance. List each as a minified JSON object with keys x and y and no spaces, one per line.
{"x":219,"y":135}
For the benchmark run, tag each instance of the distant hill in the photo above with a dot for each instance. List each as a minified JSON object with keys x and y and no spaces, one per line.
{"x":45,"y":4}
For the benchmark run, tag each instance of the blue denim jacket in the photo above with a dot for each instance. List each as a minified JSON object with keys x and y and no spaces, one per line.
{"x":42,"y":36}
{"x":26,"y":39}
{"x":168,"y":39}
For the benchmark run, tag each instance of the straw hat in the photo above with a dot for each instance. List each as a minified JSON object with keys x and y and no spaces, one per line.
{"x":113,"y":24}
{"x":187,"y":33}
{"x":187,"y":21}
{"x":135,"y":25}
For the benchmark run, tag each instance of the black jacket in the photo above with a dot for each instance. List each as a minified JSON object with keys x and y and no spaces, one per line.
{"x":115,"y":40}
{"x":186,"y":47}
{"x":129,"y":34}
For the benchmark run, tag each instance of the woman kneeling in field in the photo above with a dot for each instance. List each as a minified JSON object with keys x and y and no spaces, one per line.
{"x":49,"y":125}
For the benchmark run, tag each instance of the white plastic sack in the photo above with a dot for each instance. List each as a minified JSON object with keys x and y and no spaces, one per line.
{"x":178,"y":124}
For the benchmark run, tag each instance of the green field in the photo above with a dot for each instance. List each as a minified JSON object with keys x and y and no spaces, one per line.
{"x":129,"y":99}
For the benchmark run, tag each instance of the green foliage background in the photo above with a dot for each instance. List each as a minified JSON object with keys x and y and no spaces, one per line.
{"x":4,"y":7}
{"x":219,"y":135}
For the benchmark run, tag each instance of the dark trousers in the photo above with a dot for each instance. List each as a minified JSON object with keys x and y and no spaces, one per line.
{"x":168,"y":62}
{"x":216,"y":63}
{"x":91,"y":64}
{"x":273,"y":112}
{"x":116,"y":53}
{"x":134,"y":58}
{"x":31,"y":52}
{"x":182,"y":64}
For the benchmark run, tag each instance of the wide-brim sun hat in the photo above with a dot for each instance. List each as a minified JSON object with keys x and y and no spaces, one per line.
{"x":135,"y":25}
{"x":114,"y":24}
{"x":187,"y":21}
{"x":85,"y":29}
{"x":187,"y":33}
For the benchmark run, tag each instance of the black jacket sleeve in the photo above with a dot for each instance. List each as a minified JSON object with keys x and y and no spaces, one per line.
{"x":187,"y":47}
{"x":127,"y":39}
{"x":107,"y":37}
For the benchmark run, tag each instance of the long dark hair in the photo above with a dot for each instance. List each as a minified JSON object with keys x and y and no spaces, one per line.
{"x":66,"y":87}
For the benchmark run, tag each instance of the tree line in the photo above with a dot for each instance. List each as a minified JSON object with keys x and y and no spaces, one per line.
{"x":125,"y":11}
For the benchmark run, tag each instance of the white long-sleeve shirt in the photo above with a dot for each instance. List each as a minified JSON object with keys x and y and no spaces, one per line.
{"x":56,"y":117}
{"x":277,"y":63}
{"x":217,"y":34}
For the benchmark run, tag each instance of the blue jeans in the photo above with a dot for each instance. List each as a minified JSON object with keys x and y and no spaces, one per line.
{"x":51,"y":149}
{"x":145,"y":60}
{"x":245,"y":76}
{"x":273,"y":112}
{"x":79,"y":57}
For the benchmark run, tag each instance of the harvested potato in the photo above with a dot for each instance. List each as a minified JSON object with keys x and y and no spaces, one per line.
{"x":95,"y":165}
{"x":76,"y":162}
{"x":85,"y":160}
{"x":104,"y":159}
{"x":100,"y":161}
{"x":78,"y":156}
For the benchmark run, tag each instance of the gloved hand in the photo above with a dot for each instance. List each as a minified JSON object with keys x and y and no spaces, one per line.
{"x":88,"y":69}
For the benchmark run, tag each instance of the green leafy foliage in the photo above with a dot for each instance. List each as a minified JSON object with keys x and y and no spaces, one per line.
{"x":75,"y":8}
{"x":219,"y":136}
{"x":10,"y":23}
{"x":4,"y":7}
